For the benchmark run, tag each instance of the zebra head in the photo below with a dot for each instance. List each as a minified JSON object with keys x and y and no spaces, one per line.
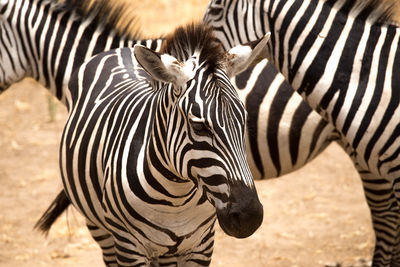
{"x":237,"y":21}
{"x":205,"y":128}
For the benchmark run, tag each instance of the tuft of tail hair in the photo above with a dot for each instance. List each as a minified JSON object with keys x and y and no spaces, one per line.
{"x":56,"y":208}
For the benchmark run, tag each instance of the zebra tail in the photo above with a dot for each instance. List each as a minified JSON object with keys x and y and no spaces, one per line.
{"x":57,"y":207}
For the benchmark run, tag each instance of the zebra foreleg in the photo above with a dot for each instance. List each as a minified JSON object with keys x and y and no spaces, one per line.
{"x":396,"y":254}
{"x":385,"y":219}
{"x":106,"y":242}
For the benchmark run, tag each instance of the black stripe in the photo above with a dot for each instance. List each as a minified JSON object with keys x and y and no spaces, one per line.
{"x":232,"y":28}
{"x":244,"y":23}
{"x":393,"y":137}
{"x":310,"y":39}
{"x":46,"y":47}
{"x":7,"y":50}
{"x":20,"y":42}
{"x":395,"y":94}
{"x":65,"y":56}
{"x":29,"y":44}
{"x":364,"y":77}
{"x":342,"y":76}
{"x":254,"y":100}
{"x":299,"y":28}
{"x":277,"y":108}
{"x":380,"y":80}
{"x":315,"y":70}
{"x":59,"y":35}
{"x":300,"y":117}
{"x":316,"y":135}
{"x":40,"y":29}
{"x":242,"y":79}
{"x":284,"y":29}
{"x":262,"y":16}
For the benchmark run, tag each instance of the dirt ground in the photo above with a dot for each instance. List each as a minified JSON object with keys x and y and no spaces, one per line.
{"x":316,"y":216}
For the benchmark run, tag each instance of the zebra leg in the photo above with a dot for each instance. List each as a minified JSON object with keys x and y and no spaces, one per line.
{"x":396,"y":254}
{"x":385,"y":218}
{"x":105,"y":241}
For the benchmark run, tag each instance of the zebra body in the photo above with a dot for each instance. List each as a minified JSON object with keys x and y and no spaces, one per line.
{"x":343,"y":58}
{"x":284,"y":133}
{"x":152,"y":160}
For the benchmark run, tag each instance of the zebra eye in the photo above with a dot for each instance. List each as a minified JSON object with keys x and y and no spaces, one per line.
{"x":214,"y":10}
{"x":200,"y":128}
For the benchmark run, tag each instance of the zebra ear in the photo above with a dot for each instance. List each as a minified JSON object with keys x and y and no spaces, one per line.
{"x":161,"y":67}
{"x":240,"y":57}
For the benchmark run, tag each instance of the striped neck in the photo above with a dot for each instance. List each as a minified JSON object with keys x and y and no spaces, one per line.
{"x":47,"y":41}
{"x":161,"y":155}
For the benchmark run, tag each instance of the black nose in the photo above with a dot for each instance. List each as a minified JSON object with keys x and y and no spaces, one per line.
{"x":242,"y":217}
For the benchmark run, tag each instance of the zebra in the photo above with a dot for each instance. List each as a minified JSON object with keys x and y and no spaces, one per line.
{"x":30,"y":30}
{"x":48,"y":39}
{"x":152,"y":156}
{"x":342,"y":57}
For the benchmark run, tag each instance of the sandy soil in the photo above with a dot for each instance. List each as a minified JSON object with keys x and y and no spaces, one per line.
{"x":316,"y":216}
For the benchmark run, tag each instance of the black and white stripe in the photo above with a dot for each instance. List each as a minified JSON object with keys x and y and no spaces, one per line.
{"x":284,"y":133}
{"x":151,"y":161}
{"x":342,"y":57}
{"x":48,"y":39}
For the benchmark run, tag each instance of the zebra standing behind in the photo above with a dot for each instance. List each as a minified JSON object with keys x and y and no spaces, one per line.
{"x":48,"y":39}
{"x":343,"y":57}
{"x":152,"y":158}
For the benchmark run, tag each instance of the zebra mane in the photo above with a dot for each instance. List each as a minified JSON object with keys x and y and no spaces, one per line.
{"x":186,"y":40}
{"x":113,"y":14}
{"x":378,"y":11}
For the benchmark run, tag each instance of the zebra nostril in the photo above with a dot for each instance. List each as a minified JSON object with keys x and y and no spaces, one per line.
{"x":235,"y":219}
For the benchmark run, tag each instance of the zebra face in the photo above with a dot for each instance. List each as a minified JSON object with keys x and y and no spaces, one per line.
{"x":237,"y":21}
{"x":213,"y":153}
{"x":203,"y":131}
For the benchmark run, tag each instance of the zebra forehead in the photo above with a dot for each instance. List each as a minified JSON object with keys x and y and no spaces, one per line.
{"x":188,"y":40}
{"x":217,"y":102}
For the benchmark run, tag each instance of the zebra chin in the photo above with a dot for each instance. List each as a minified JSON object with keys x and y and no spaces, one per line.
{"x":243,"y":214}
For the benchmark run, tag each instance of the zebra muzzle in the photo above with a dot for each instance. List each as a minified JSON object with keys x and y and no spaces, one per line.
{"x":243,"y":215}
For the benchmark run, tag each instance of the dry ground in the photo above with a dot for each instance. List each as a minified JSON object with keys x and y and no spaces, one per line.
{"x":314,"y":217}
